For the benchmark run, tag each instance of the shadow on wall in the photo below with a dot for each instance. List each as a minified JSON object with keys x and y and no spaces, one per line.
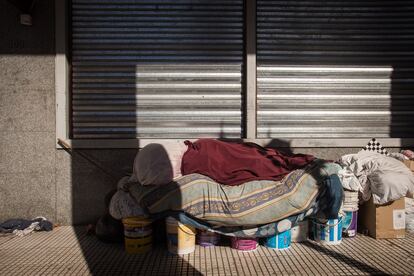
{"x":110,"y":257}
{"x":143,"y":71}
{"x":142,"y":57}
{"x":18,"y":39}
{"x":281,"y":145}
{"x":402,"y":102}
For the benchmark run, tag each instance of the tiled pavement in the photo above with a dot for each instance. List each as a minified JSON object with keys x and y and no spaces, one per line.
{"x":69,"y":251}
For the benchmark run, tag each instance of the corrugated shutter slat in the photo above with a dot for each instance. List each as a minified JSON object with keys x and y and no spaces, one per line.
{"x":157,"y":69}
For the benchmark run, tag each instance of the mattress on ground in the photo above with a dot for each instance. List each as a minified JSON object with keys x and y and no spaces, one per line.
{"x":253,"y":203}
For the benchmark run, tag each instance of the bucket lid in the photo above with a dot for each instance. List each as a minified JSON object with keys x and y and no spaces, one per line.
{"x":325,"y":222}
{"x":141,"y":221}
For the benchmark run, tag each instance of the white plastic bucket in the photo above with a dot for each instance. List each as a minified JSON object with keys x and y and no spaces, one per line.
{"x":180,"y":237}
{"x":327,"y":231}
{"x":300,"y":232}
{"x":350,"y":201}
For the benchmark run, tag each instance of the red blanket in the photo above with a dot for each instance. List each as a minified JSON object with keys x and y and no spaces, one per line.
{"x":236,"y":163}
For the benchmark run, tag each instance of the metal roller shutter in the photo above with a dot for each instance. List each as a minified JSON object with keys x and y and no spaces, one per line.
{"x":335,"y":68}
{"x":156,"y":69}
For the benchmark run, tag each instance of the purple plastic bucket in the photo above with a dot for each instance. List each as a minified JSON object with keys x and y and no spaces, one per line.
{"x":244,"y":244}
{"x":207,"y":239}
{"x":349,"y":225}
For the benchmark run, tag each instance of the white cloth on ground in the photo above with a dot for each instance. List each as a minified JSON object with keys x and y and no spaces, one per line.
{"x":386,"y":178}
{"x":34,"y":226}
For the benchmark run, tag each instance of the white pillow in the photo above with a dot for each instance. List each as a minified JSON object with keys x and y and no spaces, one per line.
{"x":388,"y":186}
{"x":175,"y":154}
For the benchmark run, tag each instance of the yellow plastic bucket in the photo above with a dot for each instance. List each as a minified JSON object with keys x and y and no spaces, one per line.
{"x":137,"y":234}
{"x":180,"y":237}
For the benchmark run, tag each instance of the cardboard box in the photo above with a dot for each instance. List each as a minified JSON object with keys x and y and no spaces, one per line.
{"x":382,"y":221}
{"x":409,"y":164}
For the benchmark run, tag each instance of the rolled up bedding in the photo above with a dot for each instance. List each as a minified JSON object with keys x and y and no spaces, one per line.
{"x":251,"y":204}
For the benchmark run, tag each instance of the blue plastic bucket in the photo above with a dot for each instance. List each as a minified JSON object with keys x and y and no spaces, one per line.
{"x":327,"y":231}
{"x":280,"y":241}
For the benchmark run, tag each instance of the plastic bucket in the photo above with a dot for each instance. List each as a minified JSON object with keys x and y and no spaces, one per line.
{"x":327,"y":231}
{"x":350,"y":223}
{"x":207,"y":238}
{"x":280,"y":241}
{"x":300,"y":232}
{"x":137,"y":235}
{"x":180,"y":237}
{"x":244,"y":244}
{"x":350,"y":201}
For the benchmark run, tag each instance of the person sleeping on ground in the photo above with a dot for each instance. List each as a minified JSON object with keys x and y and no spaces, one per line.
{"x":258,"y":202}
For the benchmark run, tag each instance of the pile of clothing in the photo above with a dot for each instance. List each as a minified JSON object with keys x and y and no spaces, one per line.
{"x":23,"y":227}
{"x":385,"y":178}
{"x":381,"y":175}
{"x":232,"y":188}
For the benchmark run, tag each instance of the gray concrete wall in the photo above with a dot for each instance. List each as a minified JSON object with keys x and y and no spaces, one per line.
{"x":27,"y":116}
{"x":35,"y":178}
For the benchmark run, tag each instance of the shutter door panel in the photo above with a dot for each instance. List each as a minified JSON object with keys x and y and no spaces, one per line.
{"x":335,"y":69}
{"x":156,"y":69}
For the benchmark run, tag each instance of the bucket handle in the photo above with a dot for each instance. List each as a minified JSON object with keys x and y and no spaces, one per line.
{"x":328,"y":225}
{"x":191,"y":234}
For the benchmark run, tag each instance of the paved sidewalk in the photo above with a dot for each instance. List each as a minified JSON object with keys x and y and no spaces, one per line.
{"x":68,"y":251}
